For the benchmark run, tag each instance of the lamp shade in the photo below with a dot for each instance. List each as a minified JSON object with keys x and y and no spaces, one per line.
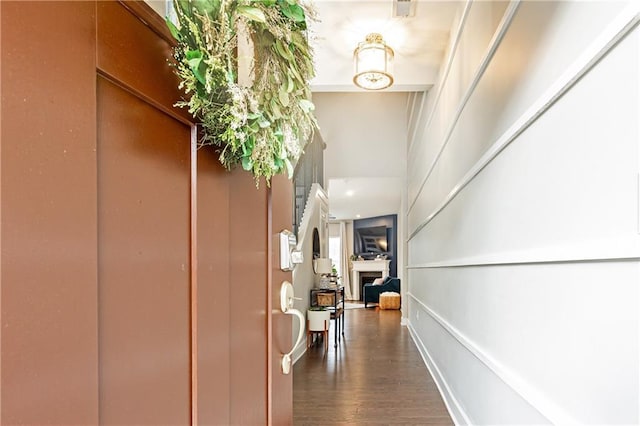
{"x":322,"y":265}
{"x":373,"y":63}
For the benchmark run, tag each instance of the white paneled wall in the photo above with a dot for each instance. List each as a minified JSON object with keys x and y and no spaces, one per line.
{"x":523,"y":215}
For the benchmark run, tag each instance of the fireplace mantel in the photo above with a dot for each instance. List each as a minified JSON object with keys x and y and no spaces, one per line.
{"x":367,"y":266}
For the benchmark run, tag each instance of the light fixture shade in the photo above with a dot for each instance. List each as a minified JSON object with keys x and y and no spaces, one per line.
{"x":373,"y":63}
{"x":322,"y":265}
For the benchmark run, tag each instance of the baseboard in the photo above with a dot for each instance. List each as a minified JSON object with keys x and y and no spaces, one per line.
{"x":536,"y":399}
{"x":456,"y":412}
{"x":296,"y":357}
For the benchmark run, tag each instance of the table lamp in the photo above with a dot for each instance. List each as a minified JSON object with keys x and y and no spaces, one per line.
{"x":322,"y":266}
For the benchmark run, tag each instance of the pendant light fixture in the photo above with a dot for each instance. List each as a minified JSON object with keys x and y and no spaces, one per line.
{"x":373,"y":63}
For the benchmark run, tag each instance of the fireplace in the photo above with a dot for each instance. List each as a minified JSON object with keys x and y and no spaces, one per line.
{"x":367,"y":277}
{"x":370,"y":268}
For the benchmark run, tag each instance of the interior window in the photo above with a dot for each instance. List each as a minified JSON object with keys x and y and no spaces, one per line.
{"x":335,"y":248}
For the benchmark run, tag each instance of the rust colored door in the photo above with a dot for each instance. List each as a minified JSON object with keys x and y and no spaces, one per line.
{"x":139,"y":279}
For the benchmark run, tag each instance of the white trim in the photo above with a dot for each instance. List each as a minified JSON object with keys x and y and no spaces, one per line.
{"x":424,"y":85}
{"x":535,"y":398}
{"x":638,"y":198}
{"x":414,"y":128}
{"x":503,"y":26}
{"x":449,"y":58}
{"x":616,"y":31}
{"x":610,"y":250}
{"x":458,"y":415}
{"x":414,"y":117}
{"x":317,"y":199}
{"x":296,"y":358}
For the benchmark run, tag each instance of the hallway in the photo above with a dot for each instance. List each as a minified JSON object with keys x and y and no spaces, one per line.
{"x":375,"y":376}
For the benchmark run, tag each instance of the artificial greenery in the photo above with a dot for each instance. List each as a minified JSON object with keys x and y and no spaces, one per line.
{"x":317,"y":308}
{"x":263,"y":127}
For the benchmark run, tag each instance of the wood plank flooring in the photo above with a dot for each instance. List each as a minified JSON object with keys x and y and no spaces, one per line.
{"x":375,"y":376}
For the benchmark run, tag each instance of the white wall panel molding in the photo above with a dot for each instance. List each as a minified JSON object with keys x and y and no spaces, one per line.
{"x":450,"y":56}
{"x":486,"y":59}
{"x":613,"y":33}
{"x":536,"y":399}
{"x":638,"y":195}
{"x":609,"y":250}
{"x":415,"y":104}
{"x":456,"y":412}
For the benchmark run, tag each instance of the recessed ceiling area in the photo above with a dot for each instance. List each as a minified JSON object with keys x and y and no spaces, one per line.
{"x":355,"y":198}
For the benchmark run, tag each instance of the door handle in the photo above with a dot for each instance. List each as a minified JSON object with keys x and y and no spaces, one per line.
{"x":286,"y":305}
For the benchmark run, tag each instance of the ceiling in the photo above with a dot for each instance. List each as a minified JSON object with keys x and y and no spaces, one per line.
{"x":366,"y":132}
{"x":355,"y":198}
{"x":419,"y":41}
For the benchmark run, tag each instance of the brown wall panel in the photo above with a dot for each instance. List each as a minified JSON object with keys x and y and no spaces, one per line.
{"x":134,"y":55}
{"x":144,"y":271}
{"x":248,"y":301}
{"x":49,"y":369}
{"x":281,"y":385}
{"x":213,"y":290}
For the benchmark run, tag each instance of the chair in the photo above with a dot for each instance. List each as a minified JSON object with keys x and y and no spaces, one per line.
{"x":372,"y":292}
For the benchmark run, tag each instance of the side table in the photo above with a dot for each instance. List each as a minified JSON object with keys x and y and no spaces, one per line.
{"x":336,"y":308}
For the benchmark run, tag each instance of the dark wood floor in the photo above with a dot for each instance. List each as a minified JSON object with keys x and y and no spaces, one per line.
{"x":375,"y":376}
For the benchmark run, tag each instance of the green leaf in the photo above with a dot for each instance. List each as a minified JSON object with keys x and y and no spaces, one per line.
{"x":251,"y":142}
{"x":194,"y":63}
{"x":301,"y":44}
{"x":193,"y":54}
{"x":283,"y":51}
{"x":289,"y":166}
{"x":198,"y":67}
{"x":292,"y":11}
{"x":207,"y":7}
{"x":277,"y":114}
{"x":264,"y":123}
{"x":247,"y":163}
{"x":175,"y":32}
{"x":297,"y":76}
{"x":290,"y":85}
{"x":283,"y":96}
{"x":306,"y":105}
{"x":252,"y":13}
{"x":184,"y":6}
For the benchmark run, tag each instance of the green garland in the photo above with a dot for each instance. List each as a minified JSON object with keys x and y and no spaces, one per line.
{"x":263,"y":127}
